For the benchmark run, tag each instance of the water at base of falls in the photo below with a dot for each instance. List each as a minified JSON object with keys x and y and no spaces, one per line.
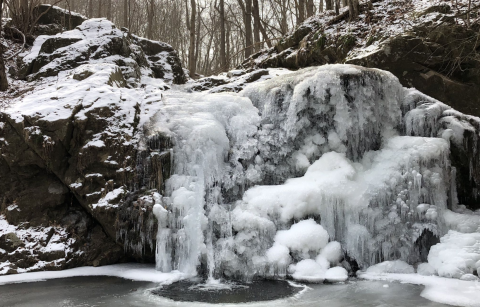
{"x":295,"y":175}
{"x":227,"y":293}
{"x":117,"y":292}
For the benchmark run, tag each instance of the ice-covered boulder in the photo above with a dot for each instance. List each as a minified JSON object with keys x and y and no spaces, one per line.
{"x":456,"y":255}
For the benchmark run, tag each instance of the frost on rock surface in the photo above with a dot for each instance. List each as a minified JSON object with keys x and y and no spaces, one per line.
{"x":337,"y":153}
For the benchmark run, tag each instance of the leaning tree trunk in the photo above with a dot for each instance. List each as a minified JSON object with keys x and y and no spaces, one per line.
{"x":3,"y":74}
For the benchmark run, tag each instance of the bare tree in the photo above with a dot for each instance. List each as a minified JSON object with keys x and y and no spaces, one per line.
{"x":310,"y":8}
{"x":353,"y":8}
{"x":223,"y":54}
{"x":3,"y":74}
{"x":90,"y":9}
{"x":256,"y":26}
{"x":301,"y":11}
{"x":125,"y":13}
{"x":150,"y":18}
{"x":191,"y":50}
{"x":248,"y":29}
{"x":329,"y":5}
{"x":100,"y":8}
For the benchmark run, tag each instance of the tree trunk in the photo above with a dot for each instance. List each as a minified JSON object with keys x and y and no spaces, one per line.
{"x":329,"y":5}
{"x":337,"y":7}
{"x":109,"y":10}
{"x":125,"y":13}
{"x":90,"y":8}
{"x":310,"y":8}
{"x":100,"y":9}
{"x":191,"y":49}
{"x":150,"y":15}
{"x":3,"y":74}
{"x":320,"y":8}
{"x":284,"y":22}
{"x":223,"y":54}
{"x":265,"y":36}
{"x":353,"y":9}
{"x":248,"y":29}
{"x":256,"y":26}
{"x":301,"y":11}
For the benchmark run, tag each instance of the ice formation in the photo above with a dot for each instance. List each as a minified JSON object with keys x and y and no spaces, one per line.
{"x":295,"y":173}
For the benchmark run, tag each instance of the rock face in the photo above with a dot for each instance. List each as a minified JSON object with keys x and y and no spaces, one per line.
{"x":426,"y":48}
{"x":73,"y":170}
{"x":51,"y":17}
{"x":99,"y":41}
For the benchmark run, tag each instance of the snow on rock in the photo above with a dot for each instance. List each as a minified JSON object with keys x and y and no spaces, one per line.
{"x":304,"y":237}
{"x":332,"y":252}
{"x":92,"y":90}
{"x":47,"y":248}
{"x":456,"y":255}
{"x":308,"y":270}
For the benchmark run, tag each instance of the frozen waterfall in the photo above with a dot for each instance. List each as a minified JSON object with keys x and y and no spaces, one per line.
{"x":295,"y":175}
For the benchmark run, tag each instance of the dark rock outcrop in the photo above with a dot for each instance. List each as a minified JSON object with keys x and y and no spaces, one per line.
{"x":430,"y":52}
{"x":54,"y":15}
{"x":75,"y":189}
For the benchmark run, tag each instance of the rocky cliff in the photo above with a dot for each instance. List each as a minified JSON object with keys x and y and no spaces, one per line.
{"x":427,"y":45}
{"x":70,"y":149}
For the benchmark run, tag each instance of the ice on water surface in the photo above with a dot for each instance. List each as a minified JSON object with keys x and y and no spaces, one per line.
{"x":293,"y":173}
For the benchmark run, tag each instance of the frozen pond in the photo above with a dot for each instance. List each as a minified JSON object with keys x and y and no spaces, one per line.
{"x":113,"y":291}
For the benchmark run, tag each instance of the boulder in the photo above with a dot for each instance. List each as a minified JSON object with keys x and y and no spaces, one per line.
{"x":54,"y":15}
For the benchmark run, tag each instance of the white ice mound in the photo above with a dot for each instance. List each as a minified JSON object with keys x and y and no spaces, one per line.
{"x":457,"y":254}
{"x":304,"y":237}
{"x":308,"y":270}
{"x":336,"y":274}
{"x":332,"y":252}
{"x":396,"y":266}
